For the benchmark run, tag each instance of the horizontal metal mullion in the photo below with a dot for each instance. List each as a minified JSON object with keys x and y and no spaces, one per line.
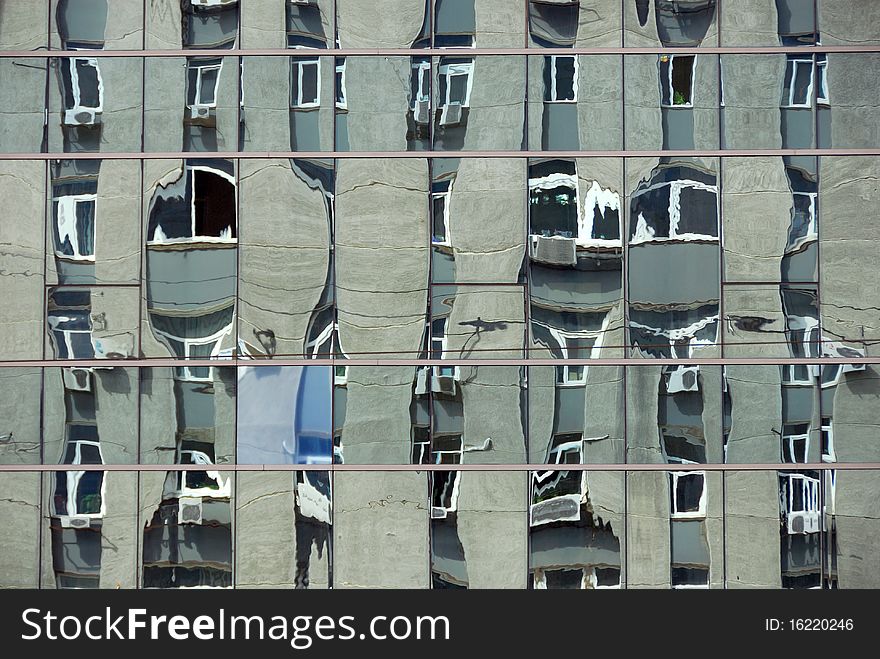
{"x":633,"y":467}
{"x":450,"y":52}
{"x":622,"y":361}
{"x":326,"y":155}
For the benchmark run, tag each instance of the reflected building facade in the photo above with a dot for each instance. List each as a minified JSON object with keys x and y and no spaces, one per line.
{"x":391,"y":306}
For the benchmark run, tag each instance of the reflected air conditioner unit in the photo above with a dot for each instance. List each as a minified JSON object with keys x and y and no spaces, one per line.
{"x":451,"y":114}
{"x":438,"y":512}
{"x":565,"y":508}
{"x":212,"y":3}
{"x":803,"y":521}
{"x":199,"y":112}
{"x":684,"y":378}
{"x":443,"y":384}
{"x":189,"y":511}
{"x":74,"y":522}
{"x":80,"y":117}
{"x":422,"y":112}
{"x":77,"y":379}
{"x":554,"y":250}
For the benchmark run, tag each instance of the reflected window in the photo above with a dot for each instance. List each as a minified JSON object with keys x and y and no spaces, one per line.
{"x":83,"y":91}
{"x":199,"y":483}
{"x":799,"y":496}
{"x":827,"y":440}
{"x":443,"y":377}
{"x":553,"y":24}
{"x":797,"y":90}
{"x":304,"y":25}
{"x":455,"y":81}
{"x":441,"y":194}
{"x":341,"y":100}
{"x":680,"y":209}
{"x":556,"y":496}
{"x":822,"y":96}
{"x":688,"y":494}
{"x":566,"y":448}
{"x":209,"y":215}
{"x":75,"y":227}
{"x":444,"y":493}
{"x":454,"y":23}
{"x":677,"y":80}
{"x":560,"y":78}
{"x":70,"y":324}
{"x":194,"y":337}
{"x":305,"y":82}
{"x":795,"y":442}
{"x":202,"y":79}
{"x":80,"y":494}
{"x":420,"y":90}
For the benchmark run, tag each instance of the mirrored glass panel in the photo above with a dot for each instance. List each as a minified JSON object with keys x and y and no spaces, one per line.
{"x":577,"y":530}
{"x":774,"y":529}
{"x":20,"y":427}
{"x":287,"y":102}
{"x":848,"y":23}
{"x":380,"y":530}
{"x":478,"y":414}
{"x":467,"y":195}
{"x":478,"y":103}
{"x":22,"y":187}
{"x":851,"y":539}
{"x":283,"y":529}
{"x":90,"y":415}
{"x":381,"y":414}
{"x":575,"y":102}
{"x":673,"y":414}
{"x":670,"y":23}
{"x":575,"y":258}
{"x":286,"y":287}
{"x":390,"y":24}
{"x":770,"y":210}
{"x":193,"y":103}
{"x":201,"y":24}
{"x":25,"y":25}
{"x":849,"y":414}
{"x":776,"y":23}
{"x":850,"y":283}
{"x":478,"y":23}
{"x":89,"y":527}
{"x":93,"y":235}
{"x":676,"y":530}
{"x":191,"y":253}
{"x":99,"y":322}
{"x":188,"y":417}
{"x":671,"y":101}
{"x":97,"y":24}
{"x":576,"y":414}
{"x":284,"y":415}
{"x":478,"y":529}
{"x":23,"y":102}
{"x":772,"y":321}
{"x":575,"y":23}
{"x":304,"y":22}
{"x":382,"y":213}
{"x":95,"y":103}
{"x":479,"y":322}
{"x":673,"y":257}
{"x":186,"y":521}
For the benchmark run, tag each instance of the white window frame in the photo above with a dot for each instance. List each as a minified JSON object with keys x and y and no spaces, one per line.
{"x":76,"y":91}
{"x":561,"y":337}
{"x":423,"y":93}
{"x":447,"y":196}
{"x":676,"y":335}
{"x":644,"y":233}
{"x":74,"y":477}
{"x":442,"y":511}
{"x":810,"y":489}
{"x":788,"y":446}
{"x":827,"y":437}
{"x":186,"y":373}
{"x":200,"y":458}
{"x":200,"y":71}
{"x":443,"y":341}
{"x":296,"y":95}
{"x":554,"y":92}
{"x":822,"y":75}
{"x":159,"y":238}
{"x":340,"y":84}
{"x":811,"y":344}
{"x":66,"y":205}
{"x":795,"y":64}
{"x":556,"y":453}
{"x":449,"y":71}
{"x":812,"y":234}
{"x":313,"y":349}
{"x":674,"y":513}
{"x":53,"y":320}
{"x":667,"y":84}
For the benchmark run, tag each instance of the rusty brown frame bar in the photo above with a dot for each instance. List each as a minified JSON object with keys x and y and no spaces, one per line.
{"x":429,"y":52}
{"x":622,"y":467}
{"x":658,"y":153}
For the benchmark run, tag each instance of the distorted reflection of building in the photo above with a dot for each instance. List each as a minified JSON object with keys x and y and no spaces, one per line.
{"x":674,"y":260}
{"x":575,"y":529}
